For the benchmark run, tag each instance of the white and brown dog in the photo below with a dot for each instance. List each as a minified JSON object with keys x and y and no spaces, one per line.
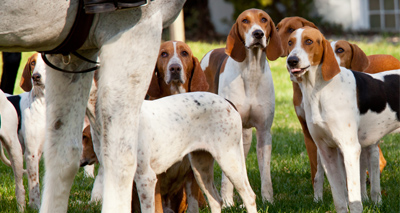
{"x":31,"y":109}
{"x":344,"y":109}
{"x":241,"y":74}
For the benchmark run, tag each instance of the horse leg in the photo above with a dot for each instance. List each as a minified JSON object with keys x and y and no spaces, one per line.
{"x":66,"y":100}
{"x":122,"y":85}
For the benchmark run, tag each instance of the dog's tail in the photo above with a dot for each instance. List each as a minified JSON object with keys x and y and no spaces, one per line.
{"x":231,"y":104}
{"x":5,"y":160}
{"x":3,"y":156}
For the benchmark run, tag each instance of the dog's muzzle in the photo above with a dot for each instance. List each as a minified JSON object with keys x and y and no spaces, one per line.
{"x":175,"y":73}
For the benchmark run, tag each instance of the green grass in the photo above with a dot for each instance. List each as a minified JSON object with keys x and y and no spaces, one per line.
{"x":289,"y":167}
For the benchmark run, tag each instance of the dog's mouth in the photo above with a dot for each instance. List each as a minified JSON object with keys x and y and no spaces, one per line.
{"x":298,"y":71}
{"x":175,"y":79}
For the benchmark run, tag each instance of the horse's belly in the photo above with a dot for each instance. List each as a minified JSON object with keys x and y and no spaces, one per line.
{"x":31,"y":25}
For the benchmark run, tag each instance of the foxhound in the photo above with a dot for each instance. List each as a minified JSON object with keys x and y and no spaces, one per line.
{"x":31,"y":109}
{"x":174,"y":126}
{"x":345,"y":110}
{"x":241,"y":74}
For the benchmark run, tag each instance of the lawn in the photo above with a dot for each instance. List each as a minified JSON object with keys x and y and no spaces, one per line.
{"x":289,"y":167}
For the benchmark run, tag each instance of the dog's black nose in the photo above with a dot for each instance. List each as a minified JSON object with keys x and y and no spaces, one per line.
{"x":258,"y":34}
{"x":293,"y":61}
{"x":36,"y":77}
{"x":175,"y":68}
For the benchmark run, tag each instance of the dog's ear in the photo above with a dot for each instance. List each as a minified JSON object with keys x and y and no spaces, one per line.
{"x":235,"y":45}
{"x":330,"y":68}
{"x":154,"y":90}
{"x":308,"y":23}
{"x":359,"y":61}
{"x":274,"y":48}
{"x":26,"y":78}
{"x":198,"y":81}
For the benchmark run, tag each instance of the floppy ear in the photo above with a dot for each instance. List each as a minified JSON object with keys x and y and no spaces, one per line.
{"x":274,"y":49}
{"x":235,"y":45}
{"x":309,"y":23}
{"x":26,"y":83}
{"x":330,"y":68}
{"x":359,"y":61}
{"x":198,"y":81}
{"x":154,"y":88}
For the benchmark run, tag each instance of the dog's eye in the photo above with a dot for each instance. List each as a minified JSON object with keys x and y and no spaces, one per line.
{"x":33,"y":63}
{"x":290,"y":30}
{"x":184,"y":53}
{"x":245,"y":21}
{"x":263,"y":20}
{"x":290,"y":43}
{"x":164,"y":54}
{"x":339,"y":50}
{"x":308,"y":42}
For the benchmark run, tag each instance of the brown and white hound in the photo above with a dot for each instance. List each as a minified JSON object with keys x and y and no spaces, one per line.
{"x":177,"y":71}
{"x":241,"y":74}
{"x":349,"y":56}
{"x":345,"y":110}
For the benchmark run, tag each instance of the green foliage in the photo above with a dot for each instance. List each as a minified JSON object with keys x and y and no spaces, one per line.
{"x":279,"y":9}
{"x":290,"y":170}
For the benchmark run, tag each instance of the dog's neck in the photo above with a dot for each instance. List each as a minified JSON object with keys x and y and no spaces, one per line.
{"x":37,"y":93}
{"x":253,"y":67}
{"x":311,"y":84}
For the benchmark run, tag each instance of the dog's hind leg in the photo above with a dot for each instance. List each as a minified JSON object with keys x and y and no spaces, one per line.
{"x":226,"y":185}
{"x":374,"y":174}
{"x":14,"y":150}
{"x":146,"y":180}
{"x":203,"y":169}
{"x":233,"y":165}
{"x":66,"y":99}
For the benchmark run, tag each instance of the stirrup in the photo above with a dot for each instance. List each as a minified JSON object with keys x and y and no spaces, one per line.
{"x":102,"y":6}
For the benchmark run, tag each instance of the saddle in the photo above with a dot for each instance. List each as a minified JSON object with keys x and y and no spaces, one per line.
{"x":102,"y":6}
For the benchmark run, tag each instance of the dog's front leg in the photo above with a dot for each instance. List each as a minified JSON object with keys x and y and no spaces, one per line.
{"x":329,"y":159}
{"x":264,"y":148}
{"x":66,"y":99}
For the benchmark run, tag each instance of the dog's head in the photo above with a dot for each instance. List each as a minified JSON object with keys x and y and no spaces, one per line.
{"x":309,"y":50}
{"x":287,"y":26}
{"x":254,"y":28}
{"x":350,"y":55}
{"x":88,"y":155}
{"x":177,"y":71}
{"x":34,"y":74}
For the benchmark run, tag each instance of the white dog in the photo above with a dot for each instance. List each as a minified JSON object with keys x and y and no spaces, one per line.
{"x":202,"y":124}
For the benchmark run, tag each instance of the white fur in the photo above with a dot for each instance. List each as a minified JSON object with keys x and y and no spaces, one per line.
{"x":127,"y":43}
{"x":174,"y":126}
{"x":9,"y":139}
{"x":334,"y":121}
{"x":33,"y":126}
{"x":249,"y":86}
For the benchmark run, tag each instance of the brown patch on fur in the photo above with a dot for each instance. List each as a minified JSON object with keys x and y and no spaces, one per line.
{"x":285,"y":28}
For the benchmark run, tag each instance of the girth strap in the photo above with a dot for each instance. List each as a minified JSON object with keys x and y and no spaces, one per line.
{"x":78,"y":33}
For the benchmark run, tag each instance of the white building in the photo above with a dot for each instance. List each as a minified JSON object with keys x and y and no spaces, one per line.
{"x":364,"y":15}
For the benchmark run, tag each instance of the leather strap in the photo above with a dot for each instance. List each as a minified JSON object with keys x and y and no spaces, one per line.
{"x":78,"y":34}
